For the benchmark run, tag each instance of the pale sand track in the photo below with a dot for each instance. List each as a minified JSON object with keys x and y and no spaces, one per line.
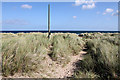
{"x":54,"y":70}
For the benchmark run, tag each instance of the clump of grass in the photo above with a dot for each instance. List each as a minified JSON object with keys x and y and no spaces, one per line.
{"x":23,"y":53}
{"x":65,"y":46}
{"x":98,"y":35}
{"x":102,"y":57}
{"x":26,"y":52}
{"x":87,"y":74}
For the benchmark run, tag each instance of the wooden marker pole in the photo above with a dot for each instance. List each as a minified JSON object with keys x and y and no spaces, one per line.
{"x":49,"y":21}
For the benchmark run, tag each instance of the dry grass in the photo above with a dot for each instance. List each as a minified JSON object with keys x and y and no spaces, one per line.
{"x":64,"y":46}
{"x":22,"y":53}
{"x":103,"y":55}
{"x":25,"y":52}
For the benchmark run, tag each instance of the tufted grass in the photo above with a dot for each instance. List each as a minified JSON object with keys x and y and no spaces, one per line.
{"x":103,"y":55}
{"x":25,"y":52}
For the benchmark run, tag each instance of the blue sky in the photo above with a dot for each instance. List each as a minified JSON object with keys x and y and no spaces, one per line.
{"x":64,"y":16}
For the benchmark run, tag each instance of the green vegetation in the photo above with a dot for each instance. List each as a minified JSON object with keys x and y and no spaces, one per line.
{"x":22,"y":53}
{"x":64,"y":46}
{"x":81,"y":74}
{"x":102,"y":57}
{"x":26,"y":53}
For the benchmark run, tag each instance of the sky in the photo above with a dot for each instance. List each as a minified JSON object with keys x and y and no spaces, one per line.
{"x":90,"y":16}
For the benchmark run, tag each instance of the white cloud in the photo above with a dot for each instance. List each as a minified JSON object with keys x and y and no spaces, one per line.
{"x":109,"y":10}
{"x":77,"y":3}
{"x":85,"y":4}
{"x":26,"y":6}
{"x":74,"y":17}
{"x":115,"y":13}
{"x":88,"y":6}
{"x":80,"y":2}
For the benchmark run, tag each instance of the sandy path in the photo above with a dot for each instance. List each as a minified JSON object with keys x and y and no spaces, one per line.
{"x":57,"y":71}
{"x":54,"y":70}
{"x":68,"y":70}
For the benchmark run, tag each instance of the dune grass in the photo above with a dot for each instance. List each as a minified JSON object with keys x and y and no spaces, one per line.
{"x":25,"y":52}
{"x":103,"y":55}
{"x":22,"y":53}
{"x":87,"y":74}
{"x":64,"y":46}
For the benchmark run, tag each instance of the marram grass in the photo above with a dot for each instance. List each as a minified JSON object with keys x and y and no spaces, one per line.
{"x":103,"y":55}
{"x":24,"y":52}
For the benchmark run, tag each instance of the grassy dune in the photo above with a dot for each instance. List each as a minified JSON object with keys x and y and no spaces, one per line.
{"x":26,"y":52}
{"x":103,"y":56}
